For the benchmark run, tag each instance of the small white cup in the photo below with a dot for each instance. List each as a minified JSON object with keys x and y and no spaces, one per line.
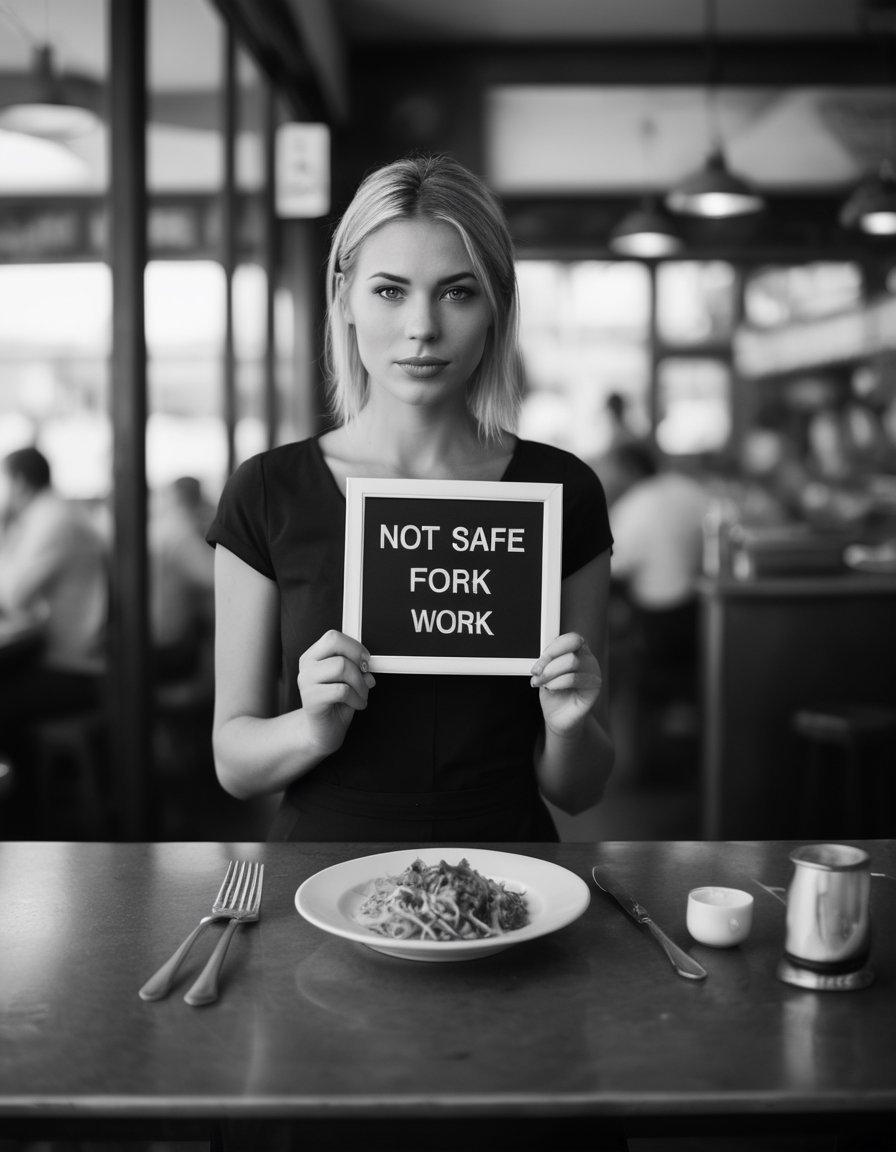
{"x":720,"y":917}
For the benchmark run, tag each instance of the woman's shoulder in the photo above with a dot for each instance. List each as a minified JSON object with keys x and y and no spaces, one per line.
{"x":551,"y":464}
{"x":297,"y":461}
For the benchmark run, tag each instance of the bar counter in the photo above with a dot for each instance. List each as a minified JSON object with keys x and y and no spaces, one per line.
{"x":769,"y":647}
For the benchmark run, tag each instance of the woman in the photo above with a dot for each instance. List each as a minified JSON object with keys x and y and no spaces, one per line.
{"x":424,"y":376}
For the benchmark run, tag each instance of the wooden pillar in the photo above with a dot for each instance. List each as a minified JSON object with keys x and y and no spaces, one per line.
{"x":129,"y":645}
{"x":271,"y":267}
{"x":228,"y":244}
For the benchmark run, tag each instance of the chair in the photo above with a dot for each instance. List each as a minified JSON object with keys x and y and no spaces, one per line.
{"x":182,"y":725}
{"x":70,"y":764}
{"x":845,"y":774}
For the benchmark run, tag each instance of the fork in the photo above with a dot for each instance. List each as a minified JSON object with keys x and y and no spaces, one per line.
{"x":238,"y":901}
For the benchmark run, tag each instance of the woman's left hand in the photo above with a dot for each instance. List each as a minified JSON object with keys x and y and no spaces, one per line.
{"x":569,"y":680}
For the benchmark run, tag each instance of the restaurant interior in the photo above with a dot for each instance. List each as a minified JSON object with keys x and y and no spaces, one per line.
{"x":702,"y":196}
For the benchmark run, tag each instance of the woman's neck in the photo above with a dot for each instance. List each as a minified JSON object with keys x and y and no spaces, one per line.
{"x":414,"y":445}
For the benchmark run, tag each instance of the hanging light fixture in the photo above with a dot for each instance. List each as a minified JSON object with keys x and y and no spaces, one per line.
{"x":872,"y":206}
{"x":646,"y":231}
{"x":49,"y":105}
{"x":714,"y":191}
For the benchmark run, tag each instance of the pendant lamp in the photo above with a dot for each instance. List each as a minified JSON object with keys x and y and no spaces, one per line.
{"x":714,"y":191}
{"x":645,"y":232}
{"x":872,"y":206}
{"x":48,"y":105}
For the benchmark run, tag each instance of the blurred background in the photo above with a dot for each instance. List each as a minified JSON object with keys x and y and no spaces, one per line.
{"x":702,"y":198}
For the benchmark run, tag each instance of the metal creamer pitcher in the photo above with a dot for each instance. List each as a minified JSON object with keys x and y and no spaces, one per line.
{"x":828,"y":940}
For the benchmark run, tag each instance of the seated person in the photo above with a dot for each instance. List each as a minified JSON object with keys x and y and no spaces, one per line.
{"x":53,"y":567}
{"x":182,"y":578}
{"x":657,"y":527}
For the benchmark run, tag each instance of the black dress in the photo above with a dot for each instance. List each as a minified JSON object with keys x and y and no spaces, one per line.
{"x":432,"y":758}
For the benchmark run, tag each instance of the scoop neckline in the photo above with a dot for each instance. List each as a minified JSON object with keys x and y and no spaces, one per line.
{"x":335,"y":483}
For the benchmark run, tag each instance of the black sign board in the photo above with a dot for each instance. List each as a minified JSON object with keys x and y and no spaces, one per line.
{"x":452,"y":576}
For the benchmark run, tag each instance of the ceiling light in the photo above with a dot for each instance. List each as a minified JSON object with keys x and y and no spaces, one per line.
{"x":715,"y":192}
{"x":872,"y":206}
{"x":48,"y":106}
{"x":645,"y":232}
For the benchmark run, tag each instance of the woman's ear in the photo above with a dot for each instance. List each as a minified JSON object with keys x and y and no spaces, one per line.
{"x":342,"y":296}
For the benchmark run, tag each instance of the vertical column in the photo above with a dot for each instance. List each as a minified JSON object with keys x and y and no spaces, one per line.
{"x":129,"y":645}
{"x":229,"y":213}
{"x":271,"y":266}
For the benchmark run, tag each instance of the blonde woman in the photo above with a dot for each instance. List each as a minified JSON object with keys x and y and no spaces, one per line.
{"x":424,"y":376}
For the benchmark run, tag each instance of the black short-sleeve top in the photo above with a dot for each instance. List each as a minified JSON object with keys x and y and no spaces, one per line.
{"x":431,"y":755}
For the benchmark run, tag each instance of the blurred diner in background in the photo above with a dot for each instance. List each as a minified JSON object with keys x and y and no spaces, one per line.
{"x":703,"y":206}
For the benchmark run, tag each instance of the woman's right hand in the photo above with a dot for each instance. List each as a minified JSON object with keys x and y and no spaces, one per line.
{"x":334,"y":682}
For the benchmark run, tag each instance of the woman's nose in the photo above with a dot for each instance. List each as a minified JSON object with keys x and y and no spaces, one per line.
{"x":421,"y":320}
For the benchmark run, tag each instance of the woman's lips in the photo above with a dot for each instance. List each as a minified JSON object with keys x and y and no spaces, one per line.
{"x":422,"y":367}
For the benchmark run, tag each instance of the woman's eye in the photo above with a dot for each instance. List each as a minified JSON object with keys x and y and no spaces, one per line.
{"x":388,"y":292}
{"x":458,"y":294}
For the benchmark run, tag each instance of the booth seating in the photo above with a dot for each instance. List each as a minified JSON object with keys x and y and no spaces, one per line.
{"x":845,"y":774}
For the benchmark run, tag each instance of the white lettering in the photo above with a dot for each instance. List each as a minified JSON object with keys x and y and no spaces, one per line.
{"x":423,"y":621}
{"x":446,"y":621}
{"x":436,"y":581}
{"x":461,"y":539}
{"x":481,"y":625}
{"x":440,"y":580}
{"x":464,"y":621}
{"x":408,"y":537}
{"x":479,"y":579}
{"x":514,"y":537}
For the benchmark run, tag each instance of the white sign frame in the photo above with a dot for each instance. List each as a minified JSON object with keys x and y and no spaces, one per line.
{"x":549,"y":495}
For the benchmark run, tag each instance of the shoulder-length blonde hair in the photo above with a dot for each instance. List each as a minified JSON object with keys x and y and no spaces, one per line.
{"x":433,"y":188}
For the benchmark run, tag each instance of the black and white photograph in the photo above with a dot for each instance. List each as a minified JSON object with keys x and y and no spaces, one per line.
{"x":447,"y":575}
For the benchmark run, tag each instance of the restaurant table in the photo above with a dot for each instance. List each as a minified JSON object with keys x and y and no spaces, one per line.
{"x":564,"y":1036}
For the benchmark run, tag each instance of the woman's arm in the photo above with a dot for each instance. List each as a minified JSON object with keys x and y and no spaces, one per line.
{"x":575,"y":757}
{"x":256,"y":751}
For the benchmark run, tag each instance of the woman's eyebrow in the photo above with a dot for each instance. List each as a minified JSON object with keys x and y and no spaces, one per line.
{"x":465,"y":275}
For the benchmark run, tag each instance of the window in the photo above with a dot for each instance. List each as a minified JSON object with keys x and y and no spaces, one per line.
{"x":693,"y":405}
{"x":695,"y":301}
{"x":584,"y":332}
{"x":55,"y":339}
{"x":777,"y":296}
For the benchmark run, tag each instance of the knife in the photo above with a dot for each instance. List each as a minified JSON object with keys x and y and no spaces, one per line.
{"x":683,"y":964}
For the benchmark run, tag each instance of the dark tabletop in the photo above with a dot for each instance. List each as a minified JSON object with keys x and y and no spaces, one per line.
{"x":589,"y":1020}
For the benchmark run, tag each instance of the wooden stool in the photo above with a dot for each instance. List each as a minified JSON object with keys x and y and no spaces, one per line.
{"x":846,"y":779}
{"x":69,"y":767}
{"x":182,"y":747}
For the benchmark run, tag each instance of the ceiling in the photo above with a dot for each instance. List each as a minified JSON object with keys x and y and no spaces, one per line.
{"x":806,"y":137}
{"x":575,"y":21}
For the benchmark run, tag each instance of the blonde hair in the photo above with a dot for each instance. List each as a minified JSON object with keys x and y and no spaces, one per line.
{"x":433,"y":188}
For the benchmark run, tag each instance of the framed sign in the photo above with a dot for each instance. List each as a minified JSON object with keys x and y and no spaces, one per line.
{"x":452,"y":576}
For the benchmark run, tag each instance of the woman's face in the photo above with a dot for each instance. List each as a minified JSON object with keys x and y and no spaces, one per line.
{"x":420,"y":315}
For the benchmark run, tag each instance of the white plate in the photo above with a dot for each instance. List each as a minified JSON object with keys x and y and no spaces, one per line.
{"x":555,"y":897}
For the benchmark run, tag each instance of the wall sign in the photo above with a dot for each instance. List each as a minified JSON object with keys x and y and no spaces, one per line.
{"x":452,"y":576}
{"x":302,"y":163}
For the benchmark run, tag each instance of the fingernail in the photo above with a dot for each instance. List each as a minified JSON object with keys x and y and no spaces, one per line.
{"x":365,"y":667}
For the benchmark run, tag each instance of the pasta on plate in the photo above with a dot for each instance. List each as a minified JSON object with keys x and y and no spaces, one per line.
{"x":442,"y":902}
